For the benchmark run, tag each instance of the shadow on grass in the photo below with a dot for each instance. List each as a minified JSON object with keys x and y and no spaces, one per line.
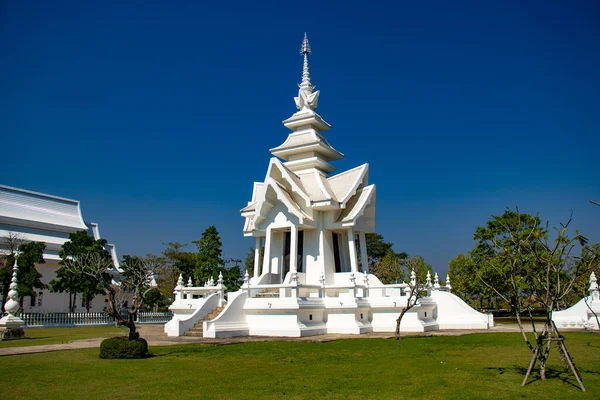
{"x":563,"y":374}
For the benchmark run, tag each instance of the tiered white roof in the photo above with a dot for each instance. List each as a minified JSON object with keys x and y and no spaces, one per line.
{"x":40,"y":217}
{"x":28,"y":208}
{"x":302,"y":181}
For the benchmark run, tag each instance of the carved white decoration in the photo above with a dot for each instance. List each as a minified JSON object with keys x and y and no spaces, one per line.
{"x":307,"y":99}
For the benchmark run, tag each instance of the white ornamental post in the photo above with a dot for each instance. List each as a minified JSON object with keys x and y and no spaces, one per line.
{"x":322,"y":282}
{"x":295,"y":284}
{"x":179,"y":289}
{"x":246,"y":285}
{"x":593,"y":287}
{"x":448,"y":286}
{"x":221,"y":289}
{"x":436,"y":282}
{"x":428,"y":280}
{"x":352,"y":289}
{"x":11,"y":326}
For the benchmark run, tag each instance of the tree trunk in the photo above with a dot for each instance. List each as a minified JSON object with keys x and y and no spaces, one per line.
{"x":399,"y":320}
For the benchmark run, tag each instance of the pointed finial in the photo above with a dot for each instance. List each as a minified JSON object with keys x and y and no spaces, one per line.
{"x":428,"y":281}
{"x":413,"y":278}
{"x":436,"y":281}
{"x":306,"y":100}
{"x":305,"y":51}
{"x":190,"y":284}
{"x":448,"y":286}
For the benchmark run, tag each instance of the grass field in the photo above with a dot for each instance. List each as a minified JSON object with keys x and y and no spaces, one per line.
{"x":478,"y":366}
{"x":39,"y":336}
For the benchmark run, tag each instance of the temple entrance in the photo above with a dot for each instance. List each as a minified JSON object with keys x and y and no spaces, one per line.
{"x":286,"y":253}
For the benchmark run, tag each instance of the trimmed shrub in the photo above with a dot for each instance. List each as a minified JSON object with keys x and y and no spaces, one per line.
{"x":122,"y":347}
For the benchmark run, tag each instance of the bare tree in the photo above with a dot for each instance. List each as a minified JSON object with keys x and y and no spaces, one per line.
{"x":134,"y":283}
{"x":10,"y":243}
{"x":416,"y":265}
{"x":165,"y":271}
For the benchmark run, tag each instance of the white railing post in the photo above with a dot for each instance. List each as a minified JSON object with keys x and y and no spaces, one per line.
{"x":221,"y":290}
{"x":322,"y":288}
{"x":295,"y":284}
{"x":352,"y":289}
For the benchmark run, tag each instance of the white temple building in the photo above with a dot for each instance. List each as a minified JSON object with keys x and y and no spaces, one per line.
{"x":314,"y":278}
{"x":40,"y":217}
{"x":584,"y":314}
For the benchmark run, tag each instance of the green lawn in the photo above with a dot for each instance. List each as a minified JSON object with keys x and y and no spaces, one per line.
{"x":38,"y":336}
{"x":478,"y":366}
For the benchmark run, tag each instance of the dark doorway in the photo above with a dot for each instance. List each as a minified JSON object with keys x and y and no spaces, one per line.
{"x":336,"y":252}
{"x":299,"y":254}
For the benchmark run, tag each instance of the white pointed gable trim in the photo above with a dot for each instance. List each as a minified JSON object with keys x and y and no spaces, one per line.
{"x":355,"y":175}
{"x":289,"y":176}
{"x":264,"y":205}
{"x":285,"y":197}
{"x":357,"y":206}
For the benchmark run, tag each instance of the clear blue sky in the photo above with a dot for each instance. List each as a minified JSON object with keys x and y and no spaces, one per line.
{"x":158,"y":116}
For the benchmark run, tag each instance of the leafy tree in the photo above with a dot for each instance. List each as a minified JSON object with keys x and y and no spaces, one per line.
{"x":69,"y":281}
{"x":504,"y":249}
{"x":376,"y":248}
{"x":209,"y":254}
{"x":153,"y":298}
{"x":231,"y":277}
{"x":465,"y":283}
{"x":28,"y":277}
{"x":184,"y":262}
{"x":517,"y":257}
{"x":390,"y":268}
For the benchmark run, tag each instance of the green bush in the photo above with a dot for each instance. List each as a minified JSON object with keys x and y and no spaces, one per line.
{"x":122,"y":347}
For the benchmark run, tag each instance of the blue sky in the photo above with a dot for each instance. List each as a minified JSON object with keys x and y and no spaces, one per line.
{"x":159,"y":116}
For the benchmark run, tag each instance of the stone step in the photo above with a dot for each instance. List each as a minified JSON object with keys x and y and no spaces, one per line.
{"x":266,"y":295}
{"x":194,"y":334}
{"x":198,"y":329}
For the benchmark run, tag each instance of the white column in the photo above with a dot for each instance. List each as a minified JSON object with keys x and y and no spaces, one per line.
{"x":267,"y":256}
{"x":257,"y":256}
{"x":364,"y":258}
{"x":293,"y":248}
{"x":352,"y":251}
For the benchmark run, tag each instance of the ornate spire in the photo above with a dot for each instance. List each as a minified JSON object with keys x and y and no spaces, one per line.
{"x":11,"y":326}
{"x":12,"y":306}
{"x":305,"y":51}
{"x":306,"y":98}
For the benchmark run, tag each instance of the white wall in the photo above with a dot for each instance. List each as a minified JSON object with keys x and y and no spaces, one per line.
{"x":57,"y":302}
